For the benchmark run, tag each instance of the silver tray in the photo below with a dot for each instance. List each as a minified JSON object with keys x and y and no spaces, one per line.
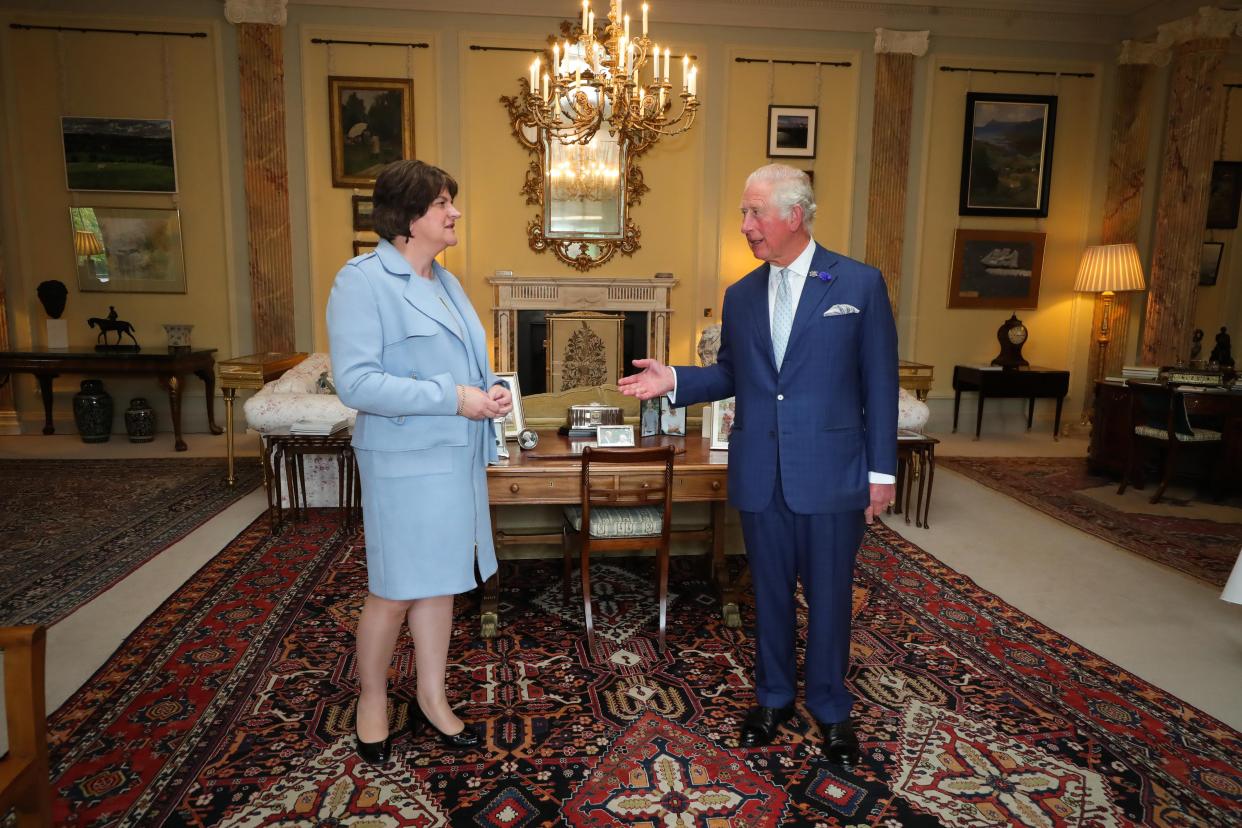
{"x":591,"y":415}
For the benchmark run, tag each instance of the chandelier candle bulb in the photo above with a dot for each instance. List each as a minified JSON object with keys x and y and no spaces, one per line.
{"x":644,"y":19}
{"x":627,"y":27}
{"x":694,"y":80}
{"x":591,"y":25}
{"x":585,"y":10}
{"x":556,"y":58}
{"x":630,"y":62}
{"x":534,"y":75}
{"x":545,"y":86}
{"x":667,"y":76}
{"x":655,"y":64}
{"x":685,"y":72}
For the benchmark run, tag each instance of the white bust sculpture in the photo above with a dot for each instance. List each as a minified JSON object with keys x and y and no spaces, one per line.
{"x":709,"y":344}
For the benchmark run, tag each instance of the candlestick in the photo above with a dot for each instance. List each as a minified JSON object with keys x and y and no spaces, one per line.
{"x":545,"y":86}
{"x":644,"y":19}
{"x":585,"y":9}
{"x":534,"y":75}
{"x":627,"y":27}
{"x":685,"y":72}
{"x":694,"y":80}
{"x":655,"y":64}
{"x":667,"y":76}
{"x":556,"y":59}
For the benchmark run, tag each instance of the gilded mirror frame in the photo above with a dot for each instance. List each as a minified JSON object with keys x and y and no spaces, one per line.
{"x":580,"y":251}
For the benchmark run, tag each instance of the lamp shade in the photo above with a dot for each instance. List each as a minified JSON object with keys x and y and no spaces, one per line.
{"x":86,"y":243}
{"x":1110,"y":267}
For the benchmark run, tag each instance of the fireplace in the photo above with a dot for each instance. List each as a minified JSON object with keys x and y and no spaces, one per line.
{"x":522,"y":303}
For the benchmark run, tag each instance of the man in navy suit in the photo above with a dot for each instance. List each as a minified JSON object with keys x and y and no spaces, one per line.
{"x":809,"y":350}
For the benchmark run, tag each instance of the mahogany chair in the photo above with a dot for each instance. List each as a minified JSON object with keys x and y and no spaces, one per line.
{"x":1159,"y":420}
{"x":620,"y":510}
{"x":24,"y":775}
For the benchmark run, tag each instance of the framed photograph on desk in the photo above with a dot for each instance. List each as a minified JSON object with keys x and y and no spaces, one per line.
{"x":722,"y":423}
{"x":516,"y":420}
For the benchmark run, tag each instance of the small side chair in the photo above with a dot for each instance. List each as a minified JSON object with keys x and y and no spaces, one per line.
{"x":621,"y":509}
{"x":1159,"y":420}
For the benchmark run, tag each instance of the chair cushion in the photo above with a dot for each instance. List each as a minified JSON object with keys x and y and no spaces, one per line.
{"x":619,"y":521}
{"x":1200,"y":435}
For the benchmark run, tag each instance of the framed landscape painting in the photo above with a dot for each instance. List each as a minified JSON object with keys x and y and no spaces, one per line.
{"x":1224,"y":193}
{"x":996,"y":269}
{"x":791,"y":131}
{"x":1007,"y":155}
{"x":372,"y":123}
{"x":119,"y":154}
{"x":141,"y":250}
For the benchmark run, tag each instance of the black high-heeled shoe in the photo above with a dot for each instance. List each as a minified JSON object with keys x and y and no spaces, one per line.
{"x":465,"y":739}
{"x":376,"y":753}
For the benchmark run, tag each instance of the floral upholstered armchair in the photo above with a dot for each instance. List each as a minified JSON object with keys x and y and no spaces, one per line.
{"x":304,"y":392}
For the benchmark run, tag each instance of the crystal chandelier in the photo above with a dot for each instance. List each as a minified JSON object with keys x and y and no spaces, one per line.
{"x":617,"y":80}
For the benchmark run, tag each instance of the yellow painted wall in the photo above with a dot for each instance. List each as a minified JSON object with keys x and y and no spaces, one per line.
{"x":688,"y":221}
{"x":127,"y":77}
{"x":1060,"y":326}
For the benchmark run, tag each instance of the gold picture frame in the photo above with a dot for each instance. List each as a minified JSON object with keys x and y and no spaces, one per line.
{"x":371,"y":122}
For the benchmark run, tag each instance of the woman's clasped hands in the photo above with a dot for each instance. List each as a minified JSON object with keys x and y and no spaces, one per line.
{"x":477,"y":404}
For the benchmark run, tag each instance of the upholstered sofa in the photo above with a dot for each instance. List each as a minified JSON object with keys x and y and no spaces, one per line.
{"x":305,"y":391}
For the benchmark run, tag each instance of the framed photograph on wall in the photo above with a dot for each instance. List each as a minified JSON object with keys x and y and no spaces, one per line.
{"x":372,"y":123}
{"x":996,"y":269}
{"x":128,"y":250}
{"x":362,"y":207}
{"x":1007,"y":155}
{"x":1224,"y":193}
{"x":515,"y":421}
{"x":119,"y":154}
{"x":722,"y":423}
{"x":791,"y":131}
{"x":364,"y":246}
{"x":1209,"y":264}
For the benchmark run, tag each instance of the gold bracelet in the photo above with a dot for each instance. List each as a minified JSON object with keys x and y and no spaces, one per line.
{"x":461,"y":398}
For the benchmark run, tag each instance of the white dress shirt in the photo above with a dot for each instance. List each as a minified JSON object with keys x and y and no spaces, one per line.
{"x":798,"y":270}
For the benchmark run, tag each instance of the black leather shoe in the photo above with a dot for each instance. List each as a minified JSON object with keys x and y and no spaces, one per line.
{"x":840,"y":743}
{"x":761,"y":723}
{"x":376,"y":753}
{"x":465,"y":739}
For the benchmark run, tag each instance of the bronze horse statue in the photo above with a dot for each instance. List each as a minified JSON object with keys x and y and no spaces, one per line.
{"x":117,"y":326}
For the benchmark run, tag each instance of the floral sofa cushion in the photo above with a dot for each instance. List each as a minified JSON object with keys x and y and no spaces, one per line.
{"x":912,"y":413}
{"x":302,"y":393}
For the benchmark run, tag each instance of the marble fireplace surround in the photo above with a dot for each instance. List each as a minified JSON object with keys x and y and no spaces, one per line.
{"x":577,"y":293}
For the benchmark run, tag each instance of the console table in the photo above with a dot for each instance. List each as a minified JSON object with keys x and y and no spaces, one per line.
{"x":1027,"y":383}
{"x":253,"y":372}
{"x":169,"y":368}
{"x":550,"y":474}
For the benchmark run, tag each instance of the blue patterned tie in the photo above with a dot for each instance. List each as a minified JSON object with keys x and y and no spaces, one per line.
{"x":782,"y":317}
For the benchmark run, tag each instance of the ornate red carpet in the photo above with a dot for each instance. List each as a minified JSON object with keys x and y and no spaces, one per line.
{"x":232,"y":705}
{"x":1204,"y":549}
{"x":73,"y":528}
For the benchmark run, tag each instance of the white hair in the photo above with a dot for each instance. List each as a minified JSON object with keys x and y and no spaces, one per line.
{"x":790,"y":187}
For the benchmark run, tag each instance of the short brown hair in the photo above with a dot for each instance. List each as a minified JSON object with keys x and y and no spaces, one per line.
{"x":404,"y":190}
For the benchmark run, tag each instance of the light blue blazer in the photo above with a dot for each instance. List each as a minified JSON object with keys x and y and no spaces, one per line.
{"x":398,"y":354}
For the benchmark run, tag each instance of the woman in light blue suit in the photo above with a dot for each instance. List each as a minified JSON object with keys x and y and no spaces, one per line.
{"x":408,"y":351}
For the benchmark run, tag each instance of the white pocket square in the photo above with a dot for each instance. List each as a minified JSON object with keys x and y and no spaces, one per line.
{"x":840,"y":310}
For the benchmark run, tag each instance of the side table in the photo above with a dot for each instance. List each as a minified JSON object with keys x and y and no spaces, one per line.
{"x":253,"y":372}
{"x":290,"y":450}
{"x":916,"y":457}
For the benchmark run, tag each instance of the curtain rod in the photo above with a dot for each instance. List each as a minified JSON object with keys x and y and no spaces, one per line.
{"x":795,"y":62}
{"x":369,"y":43}
{"x":29,"y":27}
{"x":1016,"y":71}
{"x":474,"y":47}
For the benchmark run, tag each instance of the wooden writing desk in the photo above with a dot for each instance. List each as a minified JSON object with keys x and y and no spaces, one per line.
{"x":548,"y":474}
{"x":169,"y":368}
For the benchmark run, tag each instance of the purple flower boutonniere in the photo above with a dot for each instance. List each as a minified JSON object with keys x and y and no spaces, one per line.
{"x":822,"y":275}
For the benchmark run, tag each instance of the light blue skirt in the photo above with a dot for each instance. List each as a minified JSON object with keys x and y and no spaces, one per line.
{"x":426,"y":520}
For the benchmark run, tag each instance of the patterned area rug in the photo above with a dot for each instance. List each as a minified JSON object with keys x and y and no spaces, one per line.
{"x":232,"y":705}
{"x":73,"y":528}
{"x":1205,"y":549}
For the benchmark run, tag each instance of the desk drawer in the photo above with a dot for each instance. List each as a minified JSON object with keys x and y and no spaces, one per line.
{"x":532,"y":488}
{"x":701,"y":486}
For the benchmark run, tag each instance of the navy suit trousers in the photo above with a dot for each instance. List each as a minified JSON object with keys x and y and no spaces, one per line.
{"x":783,"y":547}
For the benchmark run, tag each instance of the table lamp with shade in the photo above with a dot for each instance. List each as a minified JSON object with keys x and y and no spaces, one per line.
{"x":86,"y":243}
{"x":1108,"y":269}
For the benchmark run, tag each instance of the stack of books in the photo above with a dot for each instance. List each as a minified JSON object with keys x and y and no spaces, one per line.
{"x":318,"y":428}
{"x":1140,"y":372}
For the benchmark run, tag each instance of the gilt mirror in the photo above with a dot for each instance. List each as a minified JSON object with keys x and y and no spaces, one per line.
{"x":584,"y":192}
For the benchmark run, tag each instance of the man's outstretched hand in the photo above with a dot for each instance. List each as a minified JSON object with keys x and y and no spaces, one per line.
{"x":655,"y":380}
